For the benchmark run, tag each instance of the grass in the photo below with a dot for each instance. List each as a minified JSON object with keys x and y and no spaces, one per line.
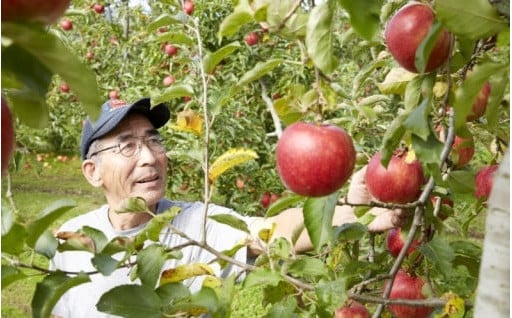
{"x":38,"y":184}
{"x":46,"y":179}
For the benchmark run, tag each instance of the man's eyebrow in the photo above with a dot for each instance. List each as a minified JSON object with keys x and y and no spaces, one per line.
{"x":148,"y":133}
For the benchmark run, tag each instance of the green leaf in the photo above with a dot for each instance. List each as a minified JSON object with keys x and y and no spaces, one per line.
{"x":133,"y":205}
{"x":156,"y":224}
{"x":174,"y":91}
{"x":176,"y":38}
{"x":417,"y":121}
{"x":258,"y":71}
{"x":364,"y":17}
{"x":319,"y":37}
{"x":150,"y":261}
{"x":46,"y":218}
{"x":11,"y":274}
{"x":470,"y":19}
{"x":331,"y":292}
{"x":47,"y":244}
{"x":204,"y":301}
{"x":439,"y":253}
{"x":131,"y":301}
{"x":13,"y":242}
{"x":466,"y":94}
{"x":172,"y":293}
{"x":308,"y":267}
{"x":51,"y":289}
{"x":283,"y":309}
{"x":350,"y":231}
{"x":429,"y":150}
{"x":318,"y":213}
{"x":54,"y":55}
{"x":99,"y":238}
{"x":427,"y":44}
{"x":230,"y":220}
{"x":392,"y":137}
{"x":262,"y":276}
{"x":461,"y":181}
{"x":233,"y":22}
{"x":211,"y":60}
{"x":105,"y":263}
{"x":467,"y":254}
{"x":162,"y":20}
{"x":283,"y":203}
{"x":499,"y":84}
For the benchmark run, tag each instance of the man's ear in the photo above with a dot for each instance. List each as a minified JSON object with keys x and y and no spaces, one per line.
{"x":91,"y":172}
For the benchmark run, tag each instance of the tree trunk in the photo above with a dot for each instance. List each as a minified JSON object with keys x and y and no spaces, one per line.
{"x":493,"y":296}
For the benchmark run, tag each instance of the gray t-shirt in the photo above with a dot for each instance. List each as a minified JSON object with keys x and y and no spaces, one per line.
{"x":80,"y":301}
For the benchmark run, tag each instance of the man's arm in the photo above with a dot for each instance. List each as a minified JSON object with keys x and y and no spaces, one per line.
{"x":289,"y":220}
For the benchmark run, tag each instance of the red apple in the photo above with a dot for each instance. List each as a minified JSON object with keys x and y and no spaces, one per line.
{"x":170,"y":50}
{"x":463,"y":150}
{"x":98,"y":8}
{"x":188,"y":7}
{"x":89,"y":55}
{"x":352,"y":309}
{"x":313,"y":159}
{"x":446,"y":208}
{"x":480,"y":104}
{"x":8,"y":136}
{"x":400,"y":182}
{"x":113,"y":94}
{"x":168,"y":80}
{"x":265,"y":200}
{"x":406,"y":286}
{"x":483,"y":181}
{"x":395,"y":240}
{"x":43,"y":11}
{"x":406,"y":30}
{"x":66,"y":25}
{"x":64,"y":88}
{"x":240,"y":184}
{"x":274,"y":197}
{"x":252,"y":38}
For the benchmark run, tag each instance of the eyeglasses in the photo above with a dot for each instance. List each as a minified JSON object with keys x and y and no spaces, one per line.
{"x":132,"y":146}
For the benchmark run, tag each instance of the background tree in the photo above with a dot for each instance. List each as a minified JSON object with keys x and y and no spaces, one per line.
{"x":322,"y":62}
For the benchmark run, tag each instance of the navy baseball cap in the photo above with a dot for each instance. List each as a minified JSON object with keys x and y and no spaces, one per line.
{"x":113,"y":111}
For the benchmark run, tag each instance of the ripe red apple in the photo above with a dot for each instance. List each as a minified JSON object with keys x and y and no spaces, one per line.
{"x":64,"y":88}
{"x":352,"y":309}
{"x":406,"y":30}
{"x":401,"y":182}
{"x":463,"y":150}
{"x":446,"y":208}
{"x":8,"y":135}
{"x":314,"y":160}
{"x":395,"y":240}
{"x":240,"y":184}
{"x":483,"y":181}
{"x":274,"y":197}
{"x":265,"y":200}
{"x":98,"y":8}
{"x":170,"y":49}
{"x":113,"y":94}
{"x":66,"y":25}
{"x":89,"y":55}
{"x":480,"y":104}
{"x":168,"y":80}
{"x":43,"y":11}
{"x":406,"y":286}
{"x":252,"y":38}
{"x":188,"y":7}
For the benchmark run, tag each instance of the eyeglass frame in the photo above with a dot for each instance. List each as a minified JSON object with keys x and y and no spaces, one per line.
{"x":123,"y":140}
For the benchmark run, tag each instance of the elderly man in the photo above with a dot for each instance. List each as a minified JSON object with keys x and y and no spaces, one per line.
{"x":123,"y":154}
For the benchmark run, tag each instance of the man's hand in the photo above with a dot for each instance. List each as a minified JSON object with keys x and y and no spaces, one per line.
{"x":385,"y":219}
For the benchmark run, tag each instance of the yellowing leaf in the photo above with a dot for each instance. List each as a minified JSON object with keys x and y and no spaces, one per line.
{"x":266,"y":234}
{"x":396,"y":81}
{"x":410,"y":157}
{"x":182,"y":272}
{"x":228,"y":160}
{"x":212,"y":282}
{"x":454,"y":307}
{"x":189,"y":121}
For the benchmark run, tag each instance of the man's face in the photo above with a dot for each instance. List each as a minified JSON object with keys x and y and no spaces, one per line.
{"x":141,"y":175}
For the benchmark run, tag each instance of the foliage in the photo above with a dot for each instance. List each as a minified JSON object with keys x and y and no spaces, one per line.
{"x":316,"y":62}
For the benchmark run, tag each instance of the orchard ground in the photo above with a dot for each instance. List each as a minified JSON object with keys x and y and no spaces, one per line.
{"x":46,"y":178}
